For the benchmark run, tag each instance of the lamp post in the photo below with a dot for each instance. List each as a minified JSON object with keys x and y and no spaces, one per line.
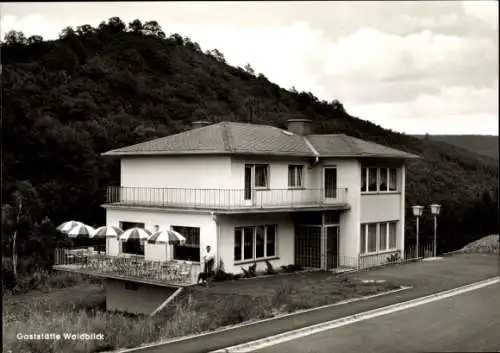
{"x":435,"y":209}
{"x":417,"y":212}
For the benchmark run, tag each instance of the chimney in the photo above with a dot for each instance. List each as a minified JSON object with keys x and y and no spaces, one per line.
{"x":299,"y":126}
{"x":199,"y":123}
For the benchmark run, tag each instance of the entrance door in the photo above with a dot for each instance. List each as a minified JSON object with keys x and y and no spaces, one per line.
{"x":248,"y":182}
{"x":332,"y":247}
{"x":330,"y":182}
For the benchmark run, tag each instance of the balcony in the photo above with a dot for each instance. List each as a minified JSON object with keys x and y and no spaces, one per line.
{"x":127,"y":267}
{"x":228,"y":199}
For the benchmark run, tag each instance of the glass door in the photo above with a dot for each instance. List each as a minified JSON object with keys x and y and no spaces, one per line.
{"x":330,"y":182}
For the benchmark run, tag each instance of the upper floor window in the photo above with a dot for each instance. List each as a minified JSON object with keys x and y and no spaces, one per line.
{"x":256,"y":175}
{"x":378,"y":179}
{"x":295,"y":176}
{"x":261,"y":175}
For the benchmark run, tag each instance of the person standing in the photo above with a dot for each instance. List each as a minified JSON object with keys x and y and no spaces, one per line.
{"x":208,"y":261}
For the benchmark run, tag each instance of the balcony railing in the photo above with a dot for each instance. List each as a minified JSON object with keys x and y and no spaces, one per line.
{"x":228,"y":199}
{"x":126,"y":267}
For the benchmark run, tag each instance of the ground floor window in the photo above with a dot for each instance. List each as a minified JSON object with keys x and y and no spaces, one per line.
{"x":377,"y":237}
{"x":134,"y":247}
{"x":255,"y":242}
{"x":190,"y":251}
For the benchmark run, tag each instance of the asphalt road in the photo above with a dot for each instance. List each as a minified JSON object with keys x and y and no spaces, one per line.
{"x":466,"y":322}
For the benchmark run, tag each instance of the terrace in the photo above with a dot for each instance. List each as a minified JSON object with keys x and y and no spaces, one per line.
{"x":128,"y":267}
{"x":228,"y":199}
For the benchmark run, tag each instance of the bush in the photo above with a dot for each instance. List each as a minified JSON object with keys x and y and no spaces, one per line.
{"x":394,"y":258}
{"x":251,"y":272}
{"x":269,"y":268}
{"x":292,"y":268}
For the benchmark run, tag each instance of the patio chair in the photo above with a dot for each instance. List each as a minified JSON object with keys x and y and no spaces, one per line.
{"x":184,"y":274}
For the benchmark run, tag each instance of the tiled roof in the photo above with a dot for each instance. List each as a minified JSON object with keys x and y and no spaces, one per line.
{"x":340,"y":145}
{"x":241,"y":138}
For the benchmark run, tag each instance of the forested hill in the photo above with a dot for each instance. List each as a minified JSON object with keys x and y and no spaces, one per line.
{"x":95,"y":89}
{"x":487,"y":145}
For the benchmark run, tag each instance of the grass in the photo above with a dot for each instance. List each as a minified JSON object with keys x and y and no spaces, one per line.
{"x":80,"y":309}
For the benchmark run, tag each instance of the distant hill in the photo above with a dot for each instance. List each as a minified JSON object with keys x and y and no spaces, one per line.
{"x":487,"y":145}
{"x":96,"y":89}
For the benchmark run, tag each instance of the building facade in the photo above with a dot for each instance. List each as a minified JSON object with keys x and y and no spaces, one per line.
{"x":259,"y":194}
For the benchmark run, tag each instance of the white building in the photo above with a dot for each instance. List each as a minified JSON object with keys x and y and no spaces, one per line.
{"x":257,"y":193}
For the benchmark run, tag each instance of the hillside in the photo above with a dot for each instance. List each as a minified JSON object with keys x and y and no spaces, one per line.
{"x":67,"y":101}
{"x":486,"y":145}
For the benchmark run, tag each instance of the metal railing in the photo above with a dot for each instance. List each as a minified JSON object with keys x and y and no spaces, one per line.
{"x":173,"y":272}
{"x":225,"y":198}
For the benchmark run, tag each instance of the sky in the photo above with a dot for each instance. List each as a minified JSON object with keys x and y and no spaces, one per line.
{"x":415,"y":67}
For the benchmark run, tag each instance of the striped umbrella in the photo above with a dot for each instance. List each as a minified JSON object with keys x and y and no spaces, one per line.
{"x":167,"y":236}
{"x":107,"y":232}
{"x":135,"y":234}
{"x":66,"y":226}
{"x":81,"y":231}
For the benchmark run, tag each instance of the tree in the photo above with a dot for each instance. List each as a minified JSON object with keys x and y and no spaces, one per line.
{"x":215,"y":53}
{"x":67,"y":32}
{"x":136,"y":27}
{"x":85,"y":30}
{"x":115,"y":25}
{"x":153,"y":28}
{"x":35,"y":39}
{"x":15,"y":37}
{"x":249,"y":69}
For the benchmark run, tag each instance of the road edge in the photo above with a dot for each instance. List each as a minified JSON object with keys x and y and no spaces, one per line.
{"x":309,"y":330}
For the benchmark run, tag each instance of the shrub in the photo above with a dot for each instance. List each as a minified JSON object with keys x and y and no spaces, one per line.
{"x":292,"y":268}
{"x":394,"y":258}
{"x":251,"y":272}
{"x":269,"y":268}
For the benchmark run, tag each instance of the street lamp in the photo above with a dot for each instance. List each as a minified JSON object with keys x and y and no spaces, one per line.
{"x":417,"y":212}
{"x":435,"y":208}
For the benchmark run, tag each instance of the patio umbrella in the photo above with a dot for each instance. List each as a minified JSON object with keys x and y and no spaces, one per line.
{"x":66,"y":226}
{"x":135,"y":234}
{"x":81,"y":231}
{"x":107,"y":232}
{"x":167,"y":236}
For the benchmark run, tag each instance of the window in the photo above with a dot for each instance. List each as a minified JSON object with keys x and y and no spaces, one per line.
{"x":271,"y":241}
{"x":382,"y":236}
{"x":364,"y":172}
{"x":392,"y":235}
{"x":363,"y":239}
{"x":248,"y":243}
{"x":189,"y":251}
{"x":383,"y":179}
{"x":129,"y":225}
{"x":259,"y":241}
{"x":295,"y":176}
{"x":253,"y":243}
{"x":372,"y":238}
{"x":379,"y":179}
{"x":135,"y":247}
{"x":261,"y":175}
{"x":377,"y":237}
{"x":237,"y":244}
{"x":372,"y":179}
{"x":392,"y":179}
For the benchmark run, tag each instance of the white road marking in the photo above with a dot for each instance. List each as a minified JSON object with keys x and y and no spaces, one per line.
{"x":303,"y":332}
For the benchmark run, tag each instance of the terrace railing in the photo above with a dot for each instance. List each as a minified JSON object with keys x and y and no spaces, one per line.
{"x":168,"y":272}
{"x":225,"y":198}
